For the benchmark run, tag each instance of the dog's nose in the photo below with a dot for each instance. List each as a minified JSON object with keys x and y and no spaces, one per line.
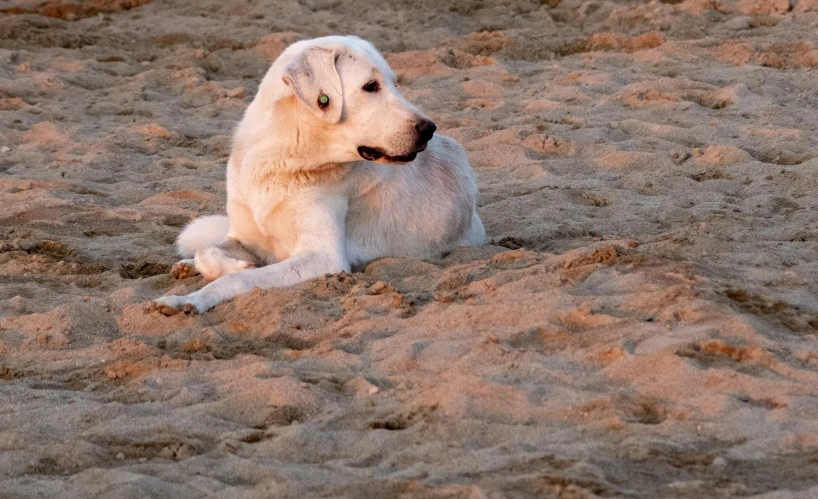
{"x":426,"y":128}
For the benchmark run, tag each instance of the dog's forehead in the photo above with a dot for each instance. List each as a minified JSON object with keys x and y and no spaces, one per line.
{"x":363,"y":56}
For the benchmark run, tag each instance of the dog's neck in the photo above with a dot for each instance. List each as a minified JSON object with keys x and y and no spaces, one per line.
{"x":284,"y":147}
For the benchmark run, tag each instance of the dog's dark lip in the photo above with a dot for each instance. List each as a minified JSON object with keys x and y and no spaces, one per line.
{"x":375,"y":154}
{"x":402,"y":159}
{"x":370,"y":153}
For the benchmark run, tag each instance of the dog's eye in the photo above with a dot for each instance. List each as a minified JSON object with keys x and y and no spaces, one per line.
{"x":323,"y":101}
{"x":372,"y":86}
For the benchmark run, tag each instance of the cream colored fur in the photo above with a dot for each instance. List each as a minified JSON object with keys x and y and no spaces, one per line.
{"x":301,"y":202}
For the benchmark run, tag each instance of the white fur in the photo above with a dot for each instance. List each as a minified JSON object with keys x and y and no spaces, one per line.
{"x":202,"y":232}
{"x":301,"y":203}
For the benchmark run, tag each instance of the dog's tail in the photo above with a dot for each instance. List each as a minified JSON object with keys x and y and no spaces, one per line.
{"x":202,"y":232}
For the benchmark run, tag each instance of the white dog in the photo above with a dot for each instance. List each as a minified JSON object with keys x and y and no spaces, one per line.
{"x":300,"y":201}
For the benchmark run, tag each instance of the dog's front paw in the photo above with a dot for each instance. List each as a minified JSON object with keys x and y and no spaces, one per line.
{"x":183,"y":269}
{"x":172,"y":305}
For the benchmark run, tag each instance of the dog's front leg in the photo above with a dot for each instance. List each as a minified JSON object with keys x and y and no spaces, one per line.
{"x":298,"y":268}
{"x":320,"y":250}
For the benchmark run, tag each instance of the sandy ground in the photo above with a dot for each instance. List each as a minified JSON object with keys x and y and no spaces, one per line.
{"x":642,"y":324}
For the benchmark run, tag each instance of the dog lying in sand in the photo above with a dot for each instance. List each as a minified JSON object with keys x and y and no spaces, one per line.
{"x":330,"y":167}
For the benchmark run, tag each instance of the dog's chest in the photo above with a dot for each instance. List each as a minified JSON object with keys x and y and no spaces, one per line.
{"x":394,"y":218}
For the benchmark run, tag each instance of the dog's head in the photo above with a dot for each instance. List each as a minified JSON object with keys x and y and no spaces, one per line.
{"x":344,"y":95}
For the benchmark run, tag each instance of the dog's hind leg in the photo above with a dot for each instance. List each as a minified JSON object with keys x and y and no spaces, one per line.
{"x":225,"y":258}
{"x":184,"y":269}
{"x":207,"y":250}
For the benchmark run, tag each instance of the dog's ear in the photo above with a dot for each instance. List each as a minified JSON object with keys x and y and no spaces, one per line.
{"x":314,"y":79}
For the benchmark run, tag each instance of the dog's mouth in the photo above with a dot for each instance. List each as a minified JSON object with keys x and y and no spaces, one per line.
{"x":377,"y":154}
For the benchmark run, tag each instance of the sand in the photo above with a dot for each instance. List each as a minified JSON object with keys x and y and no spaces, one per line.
{"x":642,"y":322}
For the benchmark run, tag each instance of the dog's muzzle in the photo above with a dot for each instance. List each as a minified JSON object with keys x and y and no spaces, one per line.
{"x":425,"y":128}
{"x":374,"y":154}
